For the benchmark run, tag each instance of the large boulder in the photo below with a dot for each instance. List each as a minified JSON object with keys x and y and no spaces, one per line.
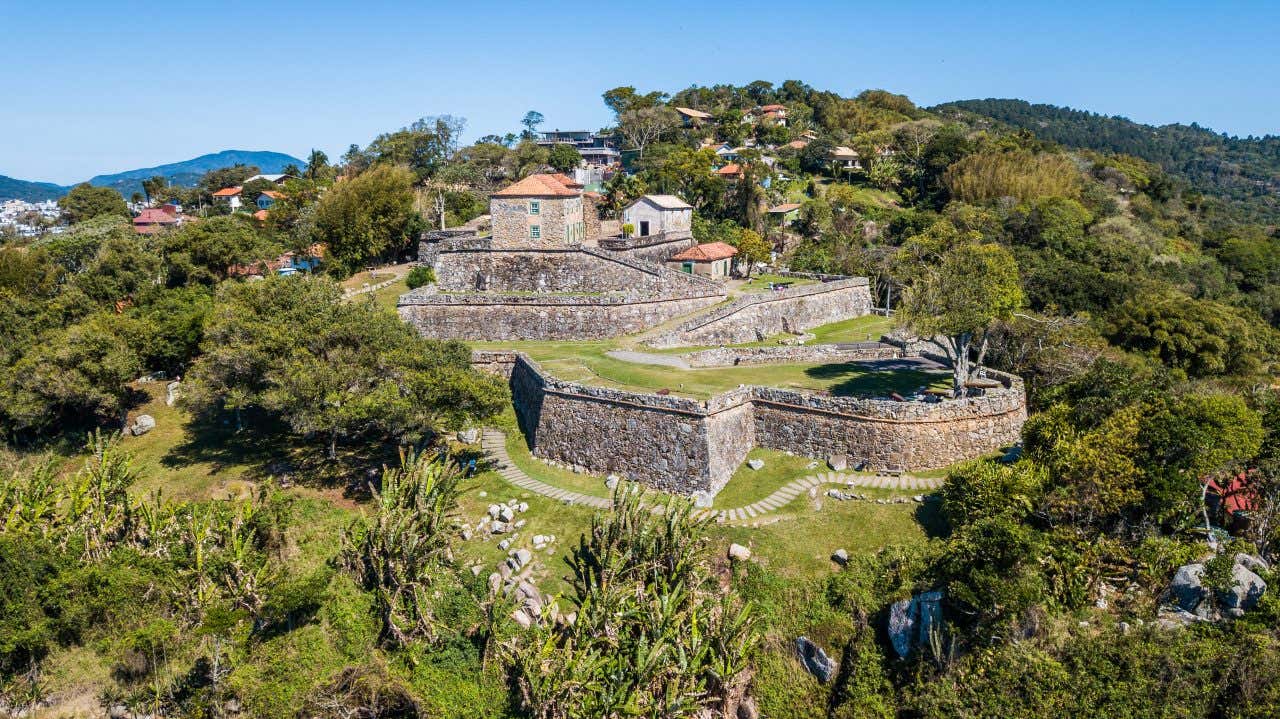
{"x":142,"y":424}
{"x":739,"y":553}
{"x":815,"y":660}
{"x":911,"y":621}
{"x":1188,"y":593}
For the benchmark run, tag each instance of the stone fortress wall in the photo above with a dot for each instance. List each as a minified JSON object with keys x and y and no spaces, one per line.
{"x":683,"y":445}
{"x":759,"y":316}
{"x":563,"y":293}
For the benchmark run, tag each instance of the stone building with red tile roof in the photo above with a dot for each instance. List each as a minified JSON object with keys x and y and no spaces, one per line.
{"x":544,"y":210}
{"x":712,"y":259}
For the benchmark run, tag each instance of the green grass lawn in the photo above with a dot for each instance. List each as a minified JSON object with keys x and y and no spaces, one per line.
{"x":587,"y":362}
{"x":760,"y":283}
{"x":858,"y":329}
{"x":387,"y":296}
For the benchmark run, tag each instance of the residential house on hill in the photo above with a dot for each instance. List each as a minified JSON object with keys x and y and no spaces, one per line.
{"x":786,"y":213}
{"x":845,"y":158}
{"x":289,"y":263}
{"x":660,"y":215}
{"x":155,"y":219}
{"x":731,"y":171}
{"x":268,"y":198}
{"x":597,"y":150}
{"x":713,"y":259}
{"x":692,"y":117}
{"x":229,"y":195}
{"x":772,"y":113}
{"x":543,"y":210}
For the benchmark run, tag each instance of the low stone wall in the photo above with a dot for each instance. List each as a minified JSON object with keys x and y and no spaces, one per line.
{"x":682,"y":445}
{"x":732,"y":356}
{"x":758,"y":316}
{"x":886,"y":434}
{"x":651,"y":248}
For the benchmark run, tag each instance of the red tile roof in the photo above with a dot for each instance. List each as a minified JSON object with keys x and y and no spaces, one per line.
{"x":730,"y":169}
{"x":260,"y":215}
{"x":785,"y":207}
{"x":273,"y":194}
{"x":227,"y":192}
{"x":798,"y":144}
{"x":567,"y":181}
{"x":710,"y":252}
{"x":538,"y":186}
{"x":772,"y":108}
{"x":154,"y":216}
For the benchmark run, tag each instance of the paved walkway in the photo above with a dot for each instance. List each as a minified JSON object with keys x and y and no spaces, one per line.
{"x":494,"y":444}
{"x":675,"y":361}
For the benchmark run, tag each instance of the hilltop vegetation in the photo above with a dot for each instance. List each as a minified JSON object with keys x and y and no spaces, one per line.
{"x":1243,"y":172}
{"x":301,"y":577}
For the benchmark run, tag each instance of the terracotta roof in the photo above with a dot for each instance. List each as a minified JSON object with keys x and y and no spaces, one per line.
{"x":772,"y":108}
{"x":154,"y":216}
{"x":798,"y":144}
{"x":710,"y":252}
{"x":273,"y":194}
{"x":730,"y":169}
{"x":260,"y":215}
{"x":227,"y":192}
{"x":785,"y":207}
{"x":567,"y":181}
{"x":842,"y":152}
{"x":538,"y":186}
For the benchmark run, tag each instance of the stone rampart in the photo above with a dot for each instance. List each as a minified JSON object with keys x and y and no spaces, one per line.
{"x":652,"y":248}
{"x":683,"y":445}
{"x":758,"y":316}
{"x":795,"y":354}
{"x":577,"y":293}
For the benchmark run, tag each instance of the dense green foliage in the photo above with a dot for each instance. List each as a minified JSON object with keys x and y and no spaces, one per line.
{"x":1243,"y":171}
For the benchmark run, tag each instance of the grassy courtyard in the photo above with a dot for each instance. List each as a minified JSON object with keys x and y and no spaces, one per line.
{"x":588,"y":362}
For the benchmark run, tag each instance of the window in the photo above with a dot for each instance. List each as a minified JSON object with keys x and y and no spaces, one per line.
{"x":535,"y":232}
{"x":535,"y":207}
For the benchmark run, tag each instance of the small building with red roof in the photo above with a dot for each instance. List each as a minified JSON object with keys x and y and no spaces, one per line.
{"x":155,"y":219}
{"x":731,"y":171}
{"x":712,"y":259}
{"x":543,"y":210}
{"x":229,"y":195}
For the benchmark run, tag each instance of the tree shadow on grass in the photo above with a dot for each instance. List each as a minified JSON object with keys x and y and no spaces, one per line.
{"x":930,"y":517}
{"x":266,"y":448}
{"x":877,"y":378}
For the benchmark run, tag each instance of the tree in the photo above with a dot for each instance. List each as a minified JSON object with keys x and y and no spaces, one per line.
{"x":341,"y":370}
{"x":70,"y":378}
{"x":752,"y":249}
{"x":206,"y":251}
{"x":531,"y":120}
{"x":424,"y":146}
{"x":957,"y":300}
{"x":85,"y":202}
{"x":564,"y":157}
{"x":318,"y":168}
{"x":368,"y":216}
{"x":644,"y":125}
{"x":153,"y":186}
{"x":621,"y":99}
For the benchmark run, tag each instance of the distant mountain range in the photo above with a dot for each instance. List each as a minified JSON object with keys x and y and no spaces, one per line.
{"x":126,"y":183}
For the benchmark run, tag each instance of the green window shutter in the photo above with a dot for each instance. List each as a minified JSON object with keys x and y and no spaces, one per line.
{"x":535,"y":207}
{"x":535,"y":232}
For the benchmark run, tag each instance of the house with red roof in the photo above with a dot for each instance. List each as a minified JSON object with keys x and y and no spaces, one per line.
{"x":268,"y":198}
{"x":155,"y":219}
{"x":229,"y":195}
{"x":544,"y":210}
{"x":711,"y":259}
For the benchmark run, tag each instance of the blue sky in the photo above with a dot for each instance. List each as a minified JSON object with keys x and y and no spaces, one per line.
{"x":97,"y":87}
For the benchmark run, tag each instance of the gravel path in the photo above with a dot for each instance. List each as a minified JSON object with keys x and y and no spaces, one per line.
{"x":649,"y":358}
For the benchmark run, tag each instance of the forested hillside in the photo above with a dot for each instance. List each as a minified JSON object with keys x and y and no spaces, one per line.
{"x":1243,"y":171}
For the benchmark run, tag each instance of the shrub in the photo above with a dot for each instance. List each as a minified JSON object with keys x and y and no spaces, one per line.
{"x":419,"y":276}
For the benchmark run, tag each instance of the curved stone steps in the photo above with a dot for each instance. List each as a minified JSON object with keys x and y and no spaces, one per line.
{"x":494,"y":444}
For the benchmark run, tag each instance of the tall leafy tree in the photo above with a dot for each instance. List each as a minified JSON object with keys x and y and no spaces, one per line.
{"x":368,"y":216}
{"x":85,"y":202}
{"x":958,"y":298}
